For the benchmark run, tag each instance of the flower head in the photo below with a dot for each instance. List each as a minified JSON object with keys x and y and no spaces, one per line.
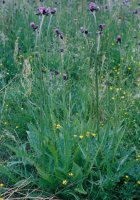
{"x":53,"y":10}
{"x":71,"y":174}
{"x":58,"y":126}
{"x":135,"y":11}
{"x":127,"y":2}
{"x":94,"y":135}
{"x":87,"y":134}
{"x":101,"y":28}
{"x":64,"y":182}
{"x":83,"y":30}
{"x":43,"y":11}
{"x":93,"y":7}
{"x":34,"y":27}
{"x":81,"y":137}
{"x":65,"y":77}
{"x":119,"y":39}
{"x":57,"y":31}
{"x":138,"y":182}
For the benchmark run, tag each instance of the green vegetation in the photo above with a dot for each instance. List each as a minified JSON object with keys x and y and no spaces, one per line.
{"x":69,"y":100}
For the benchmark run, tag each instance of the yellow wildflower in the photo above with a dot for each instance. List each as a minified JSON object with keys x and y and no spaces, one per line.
{"x":87,"y":134}
{"x":138,"y":156}
{"x":64,"y":182}
{"x":94,"y":135}
{"x":71,"y":174}
{"x":126,"y":176}
{"x":1,"y":185}
{"x":138,"y":182}
{"x":81,"y":136}
{"x":57,"y":126}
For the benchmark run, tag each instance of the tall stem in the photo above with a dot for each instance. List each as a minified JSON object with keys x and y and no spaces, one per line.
{"x":49,"y":24}
{"x":94,"y":15}
{"x":40,"y":27}
{"x":97,"y":85}
{"x":38,"y":32}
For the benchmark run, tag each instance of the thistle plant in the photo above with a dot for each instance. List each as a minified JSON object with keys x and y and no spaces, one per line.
{"x":69,"y":129}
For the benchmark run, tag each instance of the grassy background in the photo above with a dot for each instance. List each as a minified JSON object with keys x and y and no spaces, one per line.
{"x":49,"y":139}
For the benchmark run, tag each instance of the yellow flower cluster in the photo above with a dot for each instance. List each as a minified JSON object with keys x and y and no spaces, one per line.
{"x":71,"y":174}
{"x":126,"y":179}
{"x":138,"y":157}
{"x":88,"y":134}
{"x":64,"y":182}
{"x":58,"y":126}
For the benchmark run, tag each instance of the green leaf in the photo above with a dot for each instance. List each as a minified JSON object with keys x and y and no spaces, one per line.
{"x":78,"y":174}
{"x":54,"y":153}
{"x":80,"y":189}
{"x":6,"y":171}
{"x":45,"y":175}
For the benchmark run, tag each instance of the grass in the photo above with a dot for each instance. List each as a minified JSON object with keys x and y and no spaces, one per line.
{"x":69,"y":101}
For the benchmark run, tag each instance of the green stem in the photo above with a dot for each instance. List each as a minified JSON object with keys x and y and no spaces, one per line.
{"x":40,"y":27}
{"x":94,"y":15}
{"x":49,"y":24}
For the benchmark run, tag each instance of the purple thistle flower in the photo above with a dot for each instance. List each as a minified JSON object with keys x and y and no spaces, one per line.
{"x":101,"y":28}
{"x":65,"y":77}
{"x":32,"y":24}
{"x":57,"y":31}
{"x":119,"y":39}
{"x":43,"y":11}
{"x":135,"y":11}
{"x":34,"y":27}
{"x":53,"y":10}
{"x":60,"y":34}
{"x":93,"y":7}
{"x":47,"y":11}
{"x":83,"y":30}
{"x":127,"y":3}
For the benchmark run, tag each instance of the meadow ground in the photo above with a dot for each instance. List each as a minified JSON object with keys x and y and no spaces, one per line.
{"x":69,"y":99}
